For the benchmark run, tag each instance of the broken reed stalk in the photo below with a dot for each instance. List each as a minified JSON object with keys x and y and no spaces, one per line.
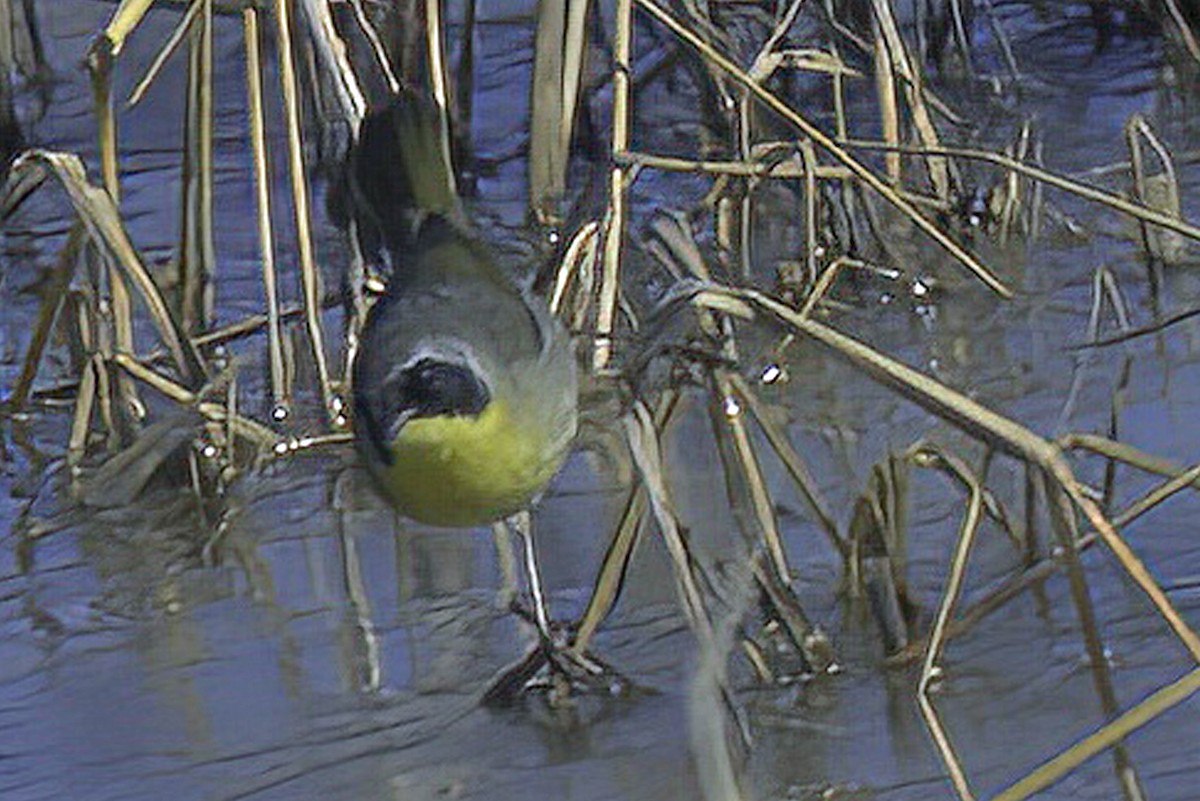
{"x":926,"y":456}
{"x":167,"y":50}
{"x":280,"y":392}
{"x":1163,"y":194}
{"x":611,"y":575}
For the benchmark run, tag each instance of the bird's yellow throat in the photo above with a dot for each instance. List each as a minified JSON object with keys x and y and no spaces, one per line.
{"x":466,"y":471}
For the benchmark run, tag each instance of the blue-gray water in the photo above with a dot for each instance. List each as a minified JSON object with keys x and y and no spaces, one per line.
{"x":128,"y":670}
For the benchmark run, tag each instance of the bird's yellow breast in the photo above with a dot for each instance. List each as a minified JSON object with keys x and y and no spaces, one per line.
{"x":466,"y":471}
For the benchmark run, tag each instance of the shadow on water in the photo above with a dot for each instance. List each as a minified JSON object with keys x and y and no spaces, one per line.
{"x":335,"y":653}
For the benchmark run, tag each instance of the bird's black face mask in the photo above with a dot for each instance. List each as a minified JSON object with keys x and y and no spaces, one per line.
{"x":427,"y":388}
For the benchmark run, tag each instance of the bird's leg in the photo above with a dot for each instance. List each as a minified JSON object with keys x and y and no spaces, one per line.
{"x":568,"y":669}
{"x":523,"y":525}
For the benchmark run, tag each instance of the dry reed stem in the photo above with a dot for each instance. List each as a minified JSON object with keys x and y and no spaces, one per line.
{"x":829,"y":145}
{"x":614,"y":233}
{"x":377,"y":48}
{"x":439,"y":76}
{"x":889,"y":113}
{"x":576,"y":276}
{"x":52,"y":302}
{"x":1107,"y":736}
{"x":927,"y":456}
{"x":1185,"y":28}
{"x":643,"y":444}
{"x":746,"y":213}
{"x":263,"y":438}
{"x":611,"y":576}
{"x":1012,"y":194}
{"x":808,"y":156}
{"x":81,"y":420}
{"x":911,"y":79}
{"x":310,"y":278}
{"x":167,"y":50}
{"x":1121,"y":451}
{"x":841,"y":128}
{"x":155,"y":380}
{"x":792,"y":461}
{"x":197,"y":251}
{"x":1063,"y":521}
{"x":262,"y":185}
{"x":104,"y":392}
{"x":752,"y":168}
{"x":1103,"y":286}
{"x":439,"y":79}
{"x":1166,"y":199}
{"x":559,"y":50}
{"x":99,"y":63}
{"x":729,"y":425}
{"x":124,"y":20}
{"x":1001,"y":39}
{"x":328,"y":44}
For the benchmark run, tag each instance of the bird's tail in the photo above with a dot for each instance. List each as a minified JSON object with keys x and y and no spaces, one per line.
{"x":399,"y":171}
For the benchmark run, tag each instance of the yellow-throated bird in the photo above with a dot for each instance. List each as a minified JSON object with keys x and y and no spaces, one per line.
{"x":464,"y":384}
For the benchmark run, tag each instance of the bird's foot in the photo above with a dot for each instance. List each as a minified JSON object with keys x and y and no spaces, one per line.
{"x":559,"y":671}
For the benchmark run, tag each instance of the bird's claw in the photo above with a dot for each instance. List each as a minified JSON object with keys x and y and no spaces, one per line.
{"x":559,"y":671}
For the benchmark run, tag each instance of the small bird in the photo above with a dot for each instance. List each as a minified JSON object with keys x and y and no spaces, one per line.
{"x":464,"y":384}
